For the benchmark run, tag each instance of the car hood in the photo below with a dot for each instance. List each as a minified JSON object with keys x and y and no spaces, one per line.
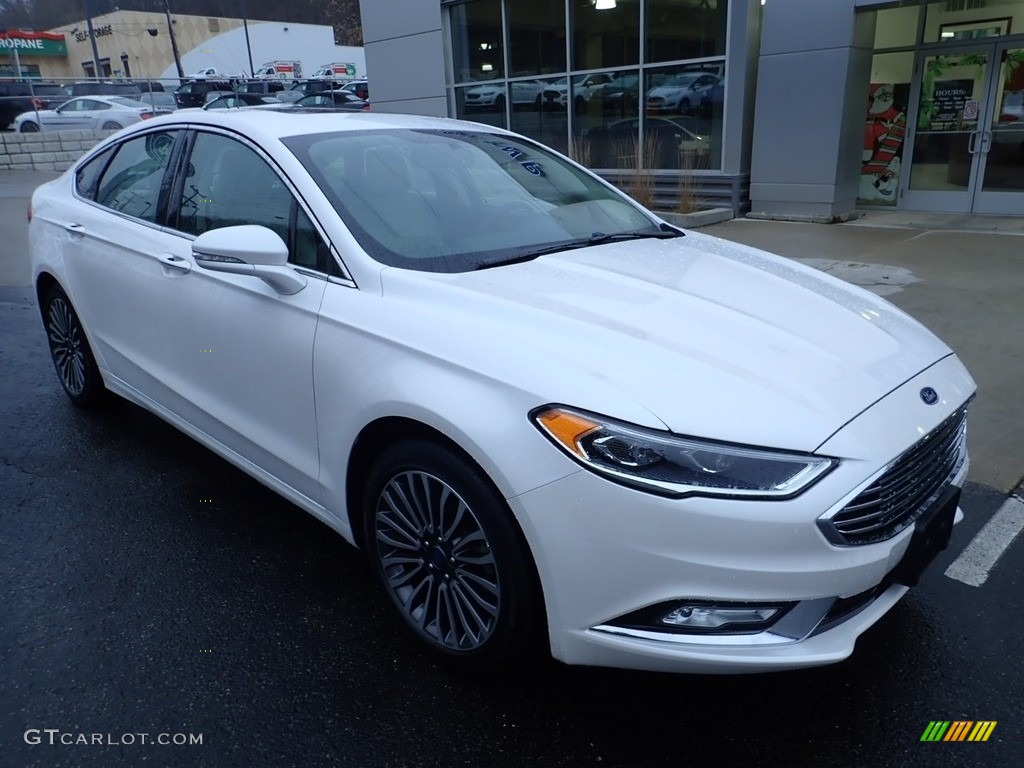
{"x":712,"y":339}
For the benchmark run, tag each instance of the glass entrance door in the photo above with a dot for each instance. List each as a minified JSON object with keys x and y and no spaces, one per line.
{"x":947,"y":134}
{"x":967,"y":142}
{"x":1002,"y":143}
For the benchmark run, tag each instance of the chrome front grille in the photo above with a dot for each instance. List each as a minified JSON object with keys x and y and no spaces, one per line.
{"x":905,"y":489}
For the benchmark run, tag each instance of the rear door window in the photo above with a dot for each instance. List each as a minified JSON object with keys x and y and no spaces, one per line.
{"x":135,"y":179}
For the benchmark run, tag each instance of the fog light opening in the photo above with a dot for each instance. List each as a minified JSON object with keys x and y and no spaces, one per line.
{"x":711,"y":617}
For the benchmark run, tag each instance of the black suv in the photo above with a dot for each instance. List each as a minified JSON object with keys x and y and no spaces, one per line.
{"x":193,"y":93}
{"x":16,"y":98}
{"x":264,"y":87}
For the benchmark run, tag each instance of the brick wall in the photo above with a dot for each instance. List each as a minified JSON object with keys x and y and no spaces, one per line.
{"x":47,"y":150}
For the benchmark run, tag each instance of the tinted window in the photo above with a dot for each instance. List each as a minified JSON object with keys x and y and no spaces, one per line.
{"x":87,"y":177}
{"x":131,"y":183}
{"x":309,"y":249}
{"x":229,"y":184}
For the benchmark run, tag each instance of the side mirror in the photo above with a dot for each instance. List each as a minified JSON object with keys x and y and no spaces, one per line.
{"x":248,"y":249}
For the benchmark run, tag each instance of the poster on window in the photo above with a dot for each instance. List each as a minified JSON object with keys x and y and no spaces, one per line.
{"x":949,"y":98}
{"x":884,"y":131}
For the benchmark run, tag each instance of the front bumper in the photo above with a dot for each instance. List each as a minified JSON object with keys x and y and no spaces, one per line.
{"x":605,"y":551}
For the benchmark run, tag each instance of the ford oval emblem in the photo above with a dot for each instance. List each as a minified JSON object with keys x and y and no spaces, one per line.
{"x":930,"y":396}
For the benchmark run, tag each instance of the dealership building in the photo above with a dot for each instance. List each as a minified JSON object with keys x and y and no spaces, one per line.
{"x":787,"y":108}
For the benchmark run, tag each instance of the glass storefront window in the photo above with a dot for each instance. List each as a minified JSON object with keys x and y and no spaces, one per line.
{"x":547,"y":119}
{"x":536,"y":37}
{"x":477,"y":48}
{"x":897,"y":27}
{"x":484,"y":103}
{"x":683,"y":115}
{"x":949,"y":21}
{"x":605,"y":110}
{"x":605,"y":37}
{"x":685,"y":30}
{"x":885,"y":127}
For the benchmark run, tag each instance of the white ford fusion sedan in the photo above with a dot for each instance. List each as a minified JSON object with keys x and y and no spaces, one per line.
{"x":550,"y":419}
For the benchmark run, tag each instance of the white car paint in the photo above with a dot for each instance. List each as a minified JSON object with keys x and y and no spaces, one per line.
{"x":693,"y":335}
{"x":88,"y":112}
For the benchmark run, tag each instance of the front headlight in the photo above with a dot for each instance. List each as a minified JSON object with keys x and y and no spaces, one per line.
{"x":677,"y":466}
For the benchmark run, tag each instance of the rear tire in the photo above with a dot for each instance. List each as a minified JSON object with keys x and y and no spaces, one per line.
{"x":111,"y":126}
{"x":72,"y":358}
{"x":445,"y":548}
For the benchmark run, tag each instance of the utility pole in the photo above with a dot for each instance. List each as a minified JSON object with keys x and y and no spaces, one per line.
{"x":92,"y":39}
{"x":248,"y":47}
{"x":174,"y":40}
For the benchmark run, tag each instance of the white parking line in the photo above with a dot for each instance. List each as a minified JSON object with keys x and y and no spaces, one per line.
{"x":980,"y":556}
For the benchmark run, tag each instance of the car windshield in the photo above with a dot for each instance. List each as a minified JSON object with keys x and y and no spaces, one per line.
{"x":457,"y":200}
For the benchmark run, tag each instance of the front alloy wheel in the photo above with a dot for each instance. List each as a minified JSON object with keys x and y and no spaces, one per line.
{"x":446,"y":550}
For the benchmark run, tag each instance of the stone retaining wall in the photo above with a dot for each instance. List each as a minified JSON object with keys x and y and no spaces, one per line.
{"x":46,"y":150}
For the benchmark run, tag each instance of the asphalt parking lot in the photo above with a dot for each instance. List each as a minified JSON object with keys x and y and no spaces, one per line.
{"x":150,"y":588}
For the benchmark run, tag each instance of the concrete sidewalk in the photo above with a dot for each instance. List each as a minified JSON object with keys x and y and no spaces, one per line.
{"x":962,"y":276}
{"x":962,"y":281}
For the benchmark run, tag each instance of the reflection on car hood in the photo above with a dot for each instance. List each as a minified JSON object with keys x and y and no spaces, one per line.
{"x":670,"y":327}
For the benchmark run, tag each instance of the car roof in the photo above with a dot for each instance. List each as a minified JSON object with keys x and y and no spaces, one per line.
{"x":275,"y":123}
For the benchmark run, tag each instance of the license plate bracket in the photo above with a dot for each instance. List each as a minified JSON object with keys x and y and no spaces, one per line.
{"x":932,"y":531}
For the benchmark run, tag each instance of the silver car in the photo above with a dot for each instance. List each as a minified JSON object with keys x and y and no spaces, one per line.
{"x":88,"y":112}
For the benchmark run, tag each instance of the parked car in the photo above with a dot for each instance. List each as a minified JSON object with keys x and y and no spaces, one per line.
{"x":492,"y":95}
{"x":236,"y":100}
{"x":159,"y":99}
{"x":194,"y":92}
{"x":88,"y":112}
{"x":265,"y":87}
{"x":556,"y":95}
{"x":681,"y":93}
{"x":358,"y":88}
{"x":16,"y":98}
{"x":667,"y":143}
{"x":548,"y":417}
{"x":339,"y":100}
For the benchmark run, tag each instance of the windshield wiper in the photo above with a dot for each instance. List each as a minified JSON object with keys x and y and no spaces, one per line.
{"x":597,"y":238}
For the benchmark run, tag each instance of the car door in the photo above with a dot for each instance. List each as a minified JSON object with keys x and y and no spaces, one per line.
{"x":70,"y":115}
{"x":236,"y":357}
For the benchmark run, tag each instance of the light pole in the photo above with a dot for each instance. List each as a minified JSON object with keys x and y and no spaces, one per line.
{"x":92,"y":39}
{"x":174,"y":40}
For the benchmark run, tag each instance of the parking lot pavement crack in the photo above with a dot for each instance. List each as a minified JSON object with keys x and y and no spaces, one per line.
{"x":15,"y":466}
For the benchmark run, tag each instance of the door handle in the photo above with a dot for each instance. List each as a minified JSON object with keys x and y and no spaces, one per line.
{"x":170,"y":261}
{"x":986,"y":141}
{"x":971,"y":149}
{"x":75,"y":229}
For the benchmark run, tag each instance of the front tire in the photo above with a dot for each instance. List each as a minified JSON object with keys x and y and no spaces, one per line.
{"x":445,"y":548}
{"x":29,"y":127}
{"x":72,"y":358}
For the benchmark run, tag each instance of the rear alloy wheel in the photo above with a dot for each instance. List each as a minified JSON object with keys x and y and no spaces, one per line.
{"x":69,"y":349}
{"x":445,"y":548}
{"x":29,"y":127}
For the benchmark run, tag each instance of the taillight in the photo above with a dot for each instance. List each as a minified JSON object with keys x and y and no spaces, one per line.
{"x":37,"y":103}
{"x":145,"y":115}
{"x":366,"y":108}
{"x":29,"y":211}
